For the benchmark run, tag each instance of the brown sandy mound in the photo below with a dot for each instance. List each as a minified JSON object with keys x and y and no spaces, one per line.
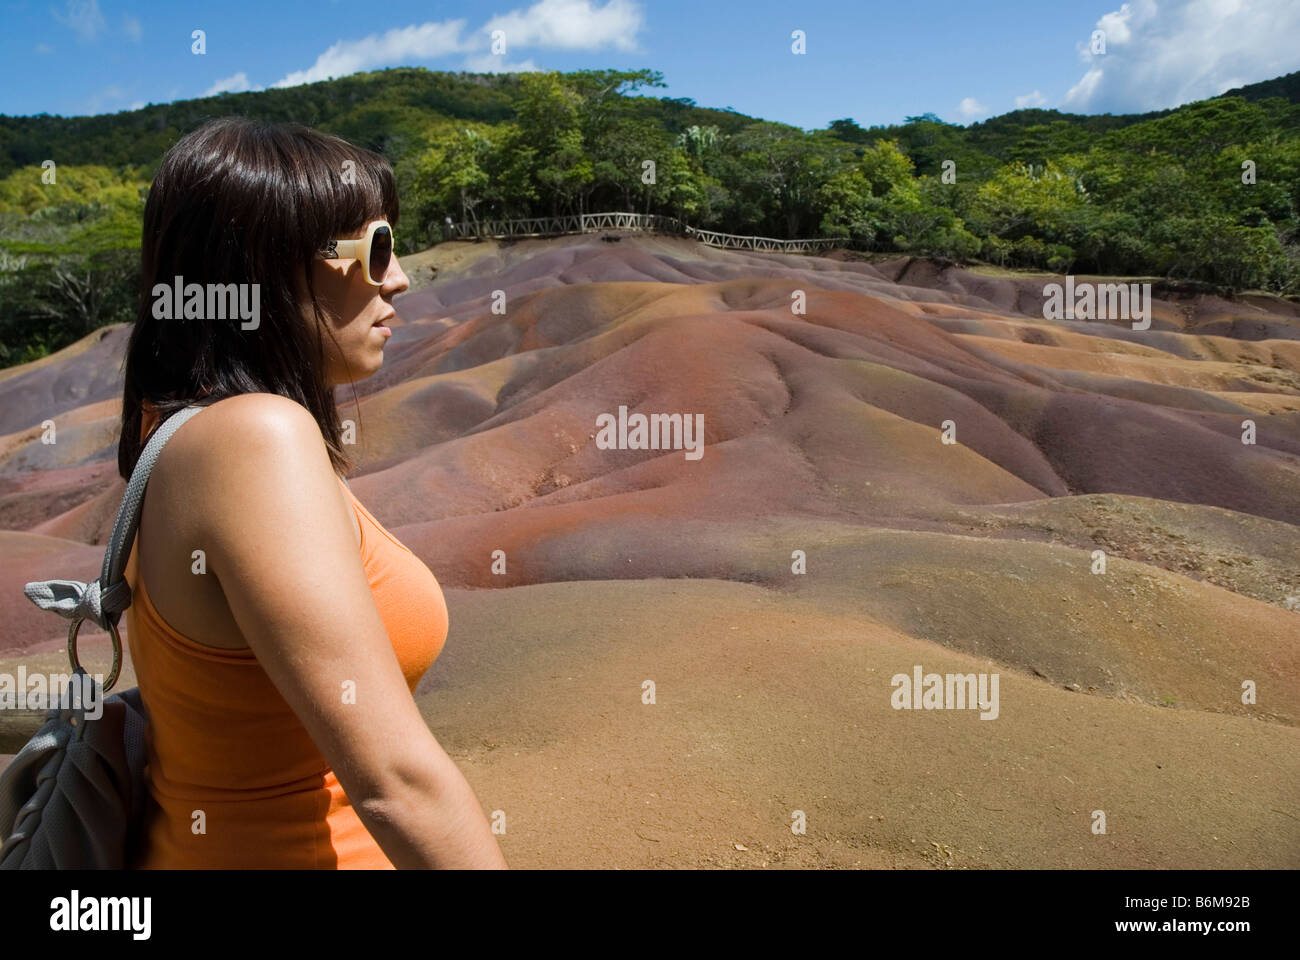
{"x":766,"y":705}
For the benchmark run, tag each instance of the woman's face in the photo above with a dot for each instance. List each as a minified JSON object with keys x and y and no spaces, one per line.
{"x":357,"y":313}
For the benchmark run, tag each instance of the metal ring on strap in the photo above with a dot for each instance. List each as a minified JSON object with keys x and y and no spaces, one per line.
{"x":117,"y":650}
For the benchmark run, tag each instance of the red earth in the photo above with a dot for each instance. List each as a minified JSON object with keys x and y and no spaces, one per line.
{"x":826,"y":540}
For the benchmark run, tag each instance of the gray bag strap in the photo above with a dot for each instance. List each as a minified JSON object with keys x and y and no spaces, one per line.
{"x":102,"y":601}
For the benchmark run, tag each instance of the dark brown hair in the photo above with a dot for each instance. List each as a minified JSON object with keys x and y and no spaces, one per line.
{"x":241,"y":202}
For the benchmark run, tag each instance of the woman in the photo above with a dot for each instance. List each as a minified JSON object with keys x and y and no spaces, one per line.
{"x":277,"y":630}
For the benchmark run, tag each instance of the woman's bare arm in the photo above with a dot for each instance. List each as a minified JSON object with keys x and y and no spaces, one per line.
{"x":277,"y":538}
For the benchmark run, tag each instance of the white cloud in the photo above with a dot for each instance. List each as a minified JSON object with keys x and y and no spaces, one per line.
{"x":83,"y":18}
{"x":138,"y":105}
{"x":1116,"y":23}
{"x":491,"y":63}
{"x":547,"y":24}
{"x":400,"y":45}
{"x":1162,"y":56}
{"x":235,"y":83}
{"x":1034,"y":99}
{"x":96,"y":102}
{"x":131,"y":27}
{"x":970,"y":108}
{"x":44,"y":48}
{"x":570,"y":25}
{"x":1083,"y":92}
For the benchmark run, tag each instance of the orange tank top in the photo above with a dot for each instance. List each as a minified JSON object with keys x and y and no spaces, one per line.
{"x":223,"y":741}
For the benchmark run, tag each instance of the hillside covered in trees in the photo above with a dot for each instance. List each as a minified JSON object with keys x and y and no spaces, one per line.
{"x":1209,"y":191}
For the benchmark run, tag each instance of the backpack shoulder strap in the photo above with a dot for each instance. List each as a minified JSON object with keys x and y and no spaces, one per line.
{"x":103,"y":600}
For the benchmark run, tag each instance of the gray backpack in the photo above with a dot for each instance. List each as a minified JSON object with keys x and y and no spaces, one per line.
{"x":73,"y":797}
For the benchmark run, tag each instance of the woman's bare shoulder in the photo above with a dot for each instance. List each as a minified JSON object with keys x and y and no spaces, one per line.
{"x":247,"y":411}
{"x":246,"y":443}
{"x":247,"y":422}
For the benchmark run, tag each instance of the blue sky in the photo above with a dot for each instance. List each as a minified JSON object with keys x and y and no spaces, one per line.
{"x":874,"y":61}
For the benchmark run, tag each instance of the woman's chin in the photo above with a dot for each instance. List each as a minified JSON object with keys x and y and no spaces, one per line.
{"x":364,"y":363}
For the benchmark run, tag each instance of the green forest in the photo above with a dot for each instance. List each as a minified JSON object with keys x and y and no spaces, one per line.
{"x":1208,"y":192}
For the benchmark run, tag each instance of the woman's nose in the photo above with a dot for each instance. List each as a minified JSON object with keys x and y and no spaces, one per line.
{"x":395,"y":281}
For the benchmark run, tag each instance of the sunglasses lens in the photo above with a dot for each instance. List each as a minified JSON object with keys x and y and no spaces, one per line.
{"x":381,"y":251}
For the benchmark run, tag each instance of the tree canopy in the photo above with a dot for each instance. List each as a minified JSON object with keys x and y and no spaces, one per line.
{"x":1209,"y":191}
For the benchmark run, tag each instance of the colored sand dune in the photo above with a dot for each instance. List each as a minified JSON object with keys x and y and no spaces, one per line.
{"x":1120,"y":691}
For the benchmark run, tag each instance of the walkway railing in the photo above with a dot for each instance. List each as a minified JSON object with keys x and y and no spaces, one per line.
{"x":649,"y":222}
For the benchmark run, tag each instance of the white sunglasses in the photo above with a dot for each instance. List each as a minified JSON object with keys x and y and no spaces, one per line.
{"x":374,"y":250}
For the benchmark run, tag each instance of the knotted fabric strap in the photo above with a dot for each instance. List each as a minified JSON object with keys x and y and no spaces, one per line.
{"x":80,"y":601}
{"x":102,"y":601}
